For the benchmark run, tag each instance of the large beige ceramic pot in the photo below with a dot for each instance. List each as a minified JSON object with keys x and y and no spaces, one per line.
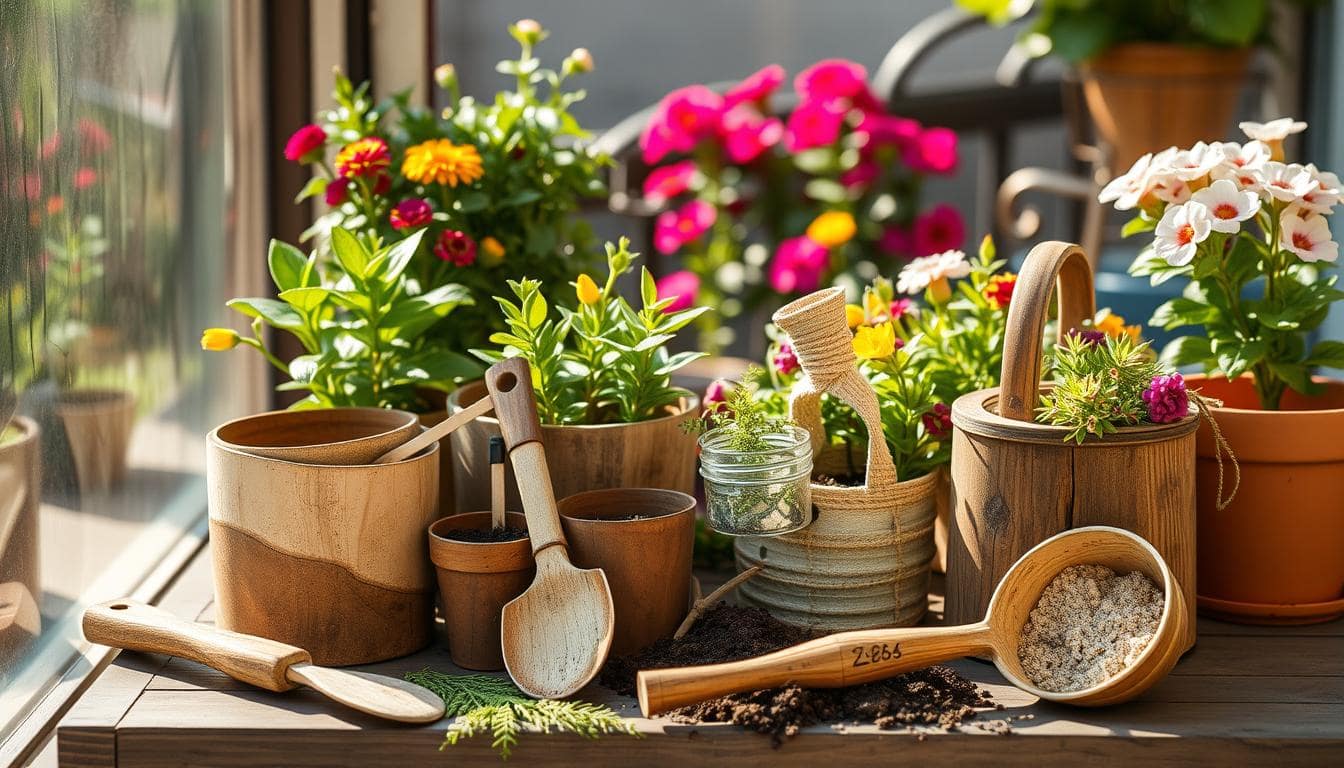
{"x":646,"y":454}
{"x":20,"y":499}
{"x":98,"y":424}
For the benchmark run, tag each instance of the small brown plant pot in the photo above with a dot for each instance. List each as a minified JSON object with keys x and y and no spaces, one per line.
{"x":476,"y":579}
{"x":642,"y":539}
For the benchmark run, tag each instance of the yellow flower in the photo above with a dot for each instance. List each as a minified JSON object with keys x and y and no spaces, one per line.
{"x":587,"y":290}
{"x":219,"y":339}
{"x":493,"y":248}
{"x":853,"y":315}
{"x":440,"y":161}
{"x":1113,"y":325}
{"x":876,"y":342}
{"x":874,"y":307}
{"x":832,"y":229}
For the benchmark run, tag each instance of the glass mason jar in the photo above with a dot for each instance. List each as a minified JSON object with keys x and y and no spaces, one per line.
{"x":758,"y":493}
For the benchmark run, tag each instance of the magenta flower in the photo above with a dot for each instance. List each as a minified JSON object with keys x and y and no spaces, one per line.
{"x":411,"y":214}
{"x":888,"y":131}
{"x":814,"y":124}
{"x":933,"y":151}
{"x":756,"y":88}
{"x":747,"y":133}
{"x":1090,"y":336}
{"x":833,"y":79}
{"x":682,"y":120}
{"x":1167,"y":399}
{"x":716,"y":397}
{"x":456,"y":247}
{"x":897,"y":241}
{"x":682,"y":287}
{"x":861,"y":175}
{"x":938,"y":230}
{"x":785,"y":360}
{"x":938,"y":422}
{"x":900,"y":308}
{"x":338,"y":191}
{"x":305,"y":143}
{"x":667,"y":182}
{"x":673,"y":229}
{"x":798,"y":265}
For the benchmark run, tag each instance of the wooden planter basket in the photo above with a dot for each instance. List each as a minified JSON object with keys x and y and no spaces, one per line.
{"x":864,"y":560}
{"x":1015,"y":483}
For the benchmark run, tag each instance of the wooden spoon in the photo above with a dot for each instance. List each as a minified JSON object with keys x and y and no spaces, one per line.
{"x":264,"y":663}
{"x":556,"y":634}
{"x":850,"y":658}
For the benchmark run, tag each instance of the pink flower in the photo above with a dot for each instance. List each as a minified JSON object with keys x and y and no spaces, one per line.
{"x":833,"y":79}
{"x":51,"y":146}
{"x":1167,"y":399}
{"x":785,"y":359}
{"x":93,"y":137}
{"x":682,"y":287}
{"x":667,"y":182}
{"x":888,"y":131}
{"x":338,"y":191}
{"x":411,"y":213}
{"x":673,"y":229}
{"x":682,"y":120}
{"x":938,"y":230}
{"x":32,"y":186}
{"x":747,"y":133}
{"x":814,"y":124}
{"x":934,"y":151}
{"x":938,"y":422}
{"x":861,"y":175}
{"x":900,"y":308}
{"x":897,"y":241}
{"x":716,"y":397}
{"x":798,"y":265}
{"x":457,"y":247}
{"x":305,"y":143}
{"x":756,"y":87}
{"x":85,"y":177}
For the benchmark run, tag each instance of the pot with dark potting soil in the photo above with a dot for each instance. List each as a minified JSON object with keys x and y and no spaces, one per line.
{"x":1275,"y":555}
{"x":98,"y":424}
{"x":479,"y":569}
{"x":642,"y":539}
{"x":20,"y":499}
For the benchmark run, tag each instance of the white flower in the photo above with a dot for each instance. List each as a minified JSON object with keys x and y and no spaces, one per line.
{"x":1274,"y":130}
{"x":1195,"y":162}
{"x":1325,"y":195}
{"x":1228,"y":206}
{"x":1252,"y":154}
{"x":1181,"y":230}
{"x":1307,"y":237}
{"x":1125,"y":190}
{"x":917,"y":275}
{"x":1288,"y":183}
{"x":1170,"y":189}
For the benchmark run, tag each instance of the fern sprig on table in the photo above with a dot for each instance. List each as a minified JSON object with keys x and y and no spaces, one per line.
{"x":486,"y":703}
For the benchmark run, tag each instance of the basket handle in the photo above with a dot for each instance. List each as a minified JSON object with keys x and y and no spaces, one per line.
{"x":821,"y":339}
{"x":1047,"y":264}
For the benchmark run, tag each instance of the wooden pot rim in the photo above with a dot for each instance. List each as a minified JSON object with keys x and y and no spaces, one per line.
{"x":392,"y":420}
{"x":977,"y":414}
{"x":216,"y":443}
{"x":584,"y":508}
{"x":474,"y":390}
{"x":478,"y":556}
{"x":94,"y":399}
{"x":28,"y":432}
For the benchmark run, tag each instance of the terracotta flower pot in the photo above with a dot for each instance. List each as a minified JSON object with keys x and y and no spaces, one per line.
{"x":20,"y":499}
{"x":98,"y":424}
{"x":1145,"y":97}
{"x":475,"y":580}
{"x":642,"y":539}
{"x":1276,"y":554}
{"x":646,"y":454}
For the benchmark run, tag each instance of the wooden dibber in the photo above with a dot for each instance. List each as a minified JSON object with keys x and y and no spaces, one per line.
{"x":257,"y":661}
{"x":851,"y":658}
{"x":497,"y":456}
{"x":556,"y":634}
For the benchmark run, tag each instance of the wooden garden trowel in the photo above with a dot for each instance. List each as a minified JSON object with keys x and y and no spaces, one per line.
{"x":556,"y":634}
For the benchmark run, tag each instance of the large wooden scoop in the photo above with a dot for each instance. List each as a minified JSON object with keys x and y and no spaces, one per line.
{"x":850,"y":658}
{"x":264,"y":663}
{"x":556,"y":634}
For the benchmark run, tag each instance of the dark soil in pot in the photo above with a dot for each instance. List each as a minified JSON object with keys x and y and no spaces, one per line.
{"x":484,"y":535}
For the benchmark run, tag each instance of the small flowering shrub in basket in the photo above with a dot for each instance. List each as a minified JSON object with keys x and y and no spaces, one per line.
{"x":761,"y":206}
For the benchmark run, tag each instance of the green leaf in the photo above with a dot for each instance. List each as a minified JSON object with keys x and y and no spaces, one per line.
{"x":395,"y":259}
{"x":815,"y":161}
{"x":521,"y":197}
{"x":1136,"y":225}
{"x":1236,"y":357}
{"x":472,"y":202}
{"x":350,"y":253}
{"x":1182,"y":311}
{"x":303,"y":368}
{"x":1297,"y":375}
{"x":648,"y":289}
{"x":305,"y":299}
{"x":653,"y":342}
{"x":1228,"y":22}
{"x":1326,"y":354}
{"x":997,"y":12}
{"x":287,"y":265}
{"x":1076,"y":35}
{"x":277,"y":313}
{"x":825,"y":190}
{"x":1187,"y":350}
{"x":315,"y":186}
{"x":536,"y":309}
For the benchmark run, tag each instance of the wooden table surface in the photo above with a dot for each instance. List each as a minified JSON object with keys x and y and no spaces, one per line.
{"x":1245,"y":695}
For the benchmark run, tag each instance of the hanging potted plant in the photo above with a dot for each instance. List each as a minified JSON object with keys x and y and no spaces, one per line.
{"x":602,"y":373}
{"x":1153,"y":74}
{"x":1251,"y":235}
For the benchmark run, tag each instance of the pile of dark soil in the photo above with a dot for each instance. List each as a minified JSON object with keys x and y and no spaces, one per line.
{"x":936,"y":696}
{"x":485,"y":535}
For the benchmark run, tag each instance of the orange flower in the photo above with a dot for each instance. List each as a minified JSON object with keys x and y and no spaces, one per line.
{"x":832,"y":229}
{"x":493,"y":248}
{"x":1113,"y":325}
{"x":363,"y":158}
{"x":440,"y":161}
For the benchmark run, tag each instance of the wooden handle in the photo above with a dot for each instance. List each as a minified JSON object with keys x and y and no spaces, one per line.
{"x":510,"y":386}
{"x":135,"y":626}
{"x":1047,"y":264}
{"x":436,"y":433}
{"x":847,"y":658}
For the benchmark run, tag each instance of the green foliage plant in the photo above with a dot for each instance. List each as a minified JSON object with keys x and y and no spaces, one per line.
{"x":1099,"y":385}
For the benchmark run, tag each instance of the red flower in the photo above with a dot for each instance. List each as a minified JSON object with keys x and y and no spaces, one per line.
{"x":1000,"y":290}
{"x":934,"y":151}
{"x":85,"y":177}
{"x":51,"y":146}
{"x":411,"y":214}
{"x":363,"y":158}
{"x":941,"y":229}
{"x":93,"y":138}
{"x":457,"y":247}
{"x":306,"y":142}
{"x":338,"y":191}
{"x":938,"y":422}
{"x":382,"y":184}
{"x":896,"y":241}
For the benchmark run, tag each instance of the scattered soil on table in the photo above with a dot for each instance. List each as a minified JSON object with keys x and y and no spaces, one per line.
{"x":485,"y":535}
{"x":936,"y":696}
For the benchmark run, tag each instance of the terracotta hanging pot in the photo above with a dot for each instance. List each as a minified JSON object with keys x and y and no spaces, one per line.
{"x":1275,"y":555}
{"x":1145,"y":97}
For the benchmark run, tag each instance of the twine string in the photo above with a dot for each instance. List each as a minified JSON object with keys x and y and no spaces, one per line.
{"x":1220,"y":446}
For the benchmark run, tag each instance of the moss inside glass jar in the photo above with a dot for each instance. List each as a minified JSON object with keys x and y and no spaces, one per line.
{"x":762,"y":492}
